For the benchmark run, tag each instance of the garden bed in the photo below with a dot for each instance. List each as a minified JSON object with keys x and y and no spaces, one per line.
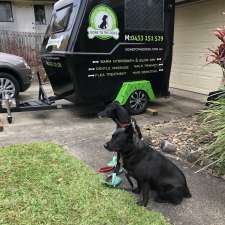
{"x":188,"y":136}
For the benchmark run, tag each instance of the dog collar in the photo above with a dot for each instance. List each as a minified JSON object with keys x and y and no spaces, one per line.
{"x":122,"y":125}
{"x":125,"y":125}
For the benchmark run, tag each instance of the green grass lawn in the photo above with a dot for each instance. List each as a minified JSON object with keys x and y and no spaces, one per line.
{"x":40,"y":184}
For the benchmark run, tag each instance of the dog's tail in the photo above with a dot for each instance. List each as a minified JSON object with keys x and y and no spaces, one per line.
{"x":187,"y":193}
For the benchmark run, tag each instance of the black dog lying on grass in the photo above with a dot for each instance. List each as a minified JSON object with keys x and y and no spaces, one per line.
{"x":149,"y":168}
{"x":122,"y":119}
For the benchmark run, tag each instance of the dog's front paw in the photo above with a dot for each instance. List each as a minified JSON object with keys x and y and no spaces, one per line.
{"x":140,"y":203}
{"x":136,"y":191}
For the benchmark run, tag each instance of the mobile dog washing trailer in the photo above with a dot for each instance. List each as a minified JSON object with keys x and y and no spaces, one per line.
{"x":105,"y":50}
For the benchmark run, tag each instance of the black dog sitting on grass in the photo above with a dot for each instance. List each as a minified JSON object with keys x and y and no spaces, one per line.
{"x":122,"y":119}
{"x":149,"y":168}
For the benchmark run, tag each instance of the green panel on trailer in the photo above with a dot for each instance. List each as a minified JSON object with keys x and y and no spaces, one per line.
{"x":129,"y":87}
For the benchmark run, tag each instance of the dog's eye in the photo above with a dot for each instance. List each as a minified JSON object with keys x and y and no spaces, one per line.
{"x":115,"y":135}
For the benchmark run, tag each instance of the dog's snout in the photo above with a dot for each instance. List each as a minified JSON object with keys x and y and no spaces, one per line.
{"x":108,"y":146}
{"x":99,"y":116}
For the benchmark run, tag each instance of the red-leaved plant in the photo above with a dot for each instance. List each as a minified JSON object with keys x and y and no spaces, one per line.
{"x":217,"y":56}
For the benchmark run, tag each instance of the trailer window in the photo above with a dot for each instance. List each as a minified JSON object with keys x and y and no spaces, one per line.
{"x":59,"y":30}
{"x":144,"y":15}
{"x":61,"y":19}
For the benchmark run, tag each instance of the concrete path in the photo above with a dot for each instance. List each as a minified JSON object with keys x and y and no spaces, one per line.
{"x":83,"y":135}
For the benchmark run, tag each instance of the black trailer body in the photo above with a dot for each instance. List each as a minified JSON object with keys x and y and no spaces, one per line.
{"x":102,"y":50}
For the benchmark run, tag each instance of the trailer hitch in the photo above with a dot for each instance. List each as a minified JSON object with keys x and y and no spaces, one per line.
{"x":8,"y":103}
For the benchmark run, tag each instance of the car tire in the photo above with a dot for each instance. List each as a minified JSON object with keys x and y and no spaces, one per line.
{"x":9,"y":85}
{"x":137,"y":102}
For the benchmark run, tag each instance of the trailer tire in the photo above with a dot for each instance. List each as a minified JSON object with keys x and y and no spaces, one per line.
{"x":137,"y":102}
{"x":12,"y":85}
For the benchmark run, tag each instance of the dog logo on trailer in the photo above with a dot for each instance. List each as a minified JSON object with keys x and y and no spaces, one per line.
{"x":103,"y":23}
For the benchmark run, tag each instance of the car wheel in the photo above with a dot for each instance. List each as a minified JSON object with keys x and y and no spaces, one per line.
{"x":8,"y":85}
{"x":137,"y":102}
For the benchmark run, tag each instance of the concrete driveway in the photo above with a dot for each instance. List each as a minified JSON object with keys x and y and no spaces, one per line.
{"x":83,"y":135}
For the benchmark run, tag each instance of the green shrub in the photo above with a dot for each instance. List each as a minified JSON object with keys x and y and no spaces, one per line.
{"x":213,"y":121}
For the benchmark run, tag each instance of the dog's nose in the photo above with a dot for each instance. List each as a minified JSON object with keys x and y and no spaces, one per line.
{"x":106,"y":145}
{"x":100,"y":115}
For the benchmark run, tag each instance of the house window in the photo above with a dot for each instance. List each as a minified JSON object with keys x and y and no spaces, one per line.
{"x":39,"y":13}
{"x":6,"y":12}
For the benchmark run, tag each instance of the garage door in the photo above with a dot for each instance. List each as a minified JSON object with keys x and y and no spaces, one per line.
{"x":195,"y":23}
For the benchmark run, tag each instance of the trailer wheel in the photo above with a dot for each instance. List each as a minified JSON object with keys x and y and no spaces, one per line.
{"x":137,"y":102}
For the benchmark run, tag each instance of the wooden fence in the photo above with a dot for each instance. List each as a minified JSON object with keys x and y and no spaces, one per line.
{"x":23,"y":44}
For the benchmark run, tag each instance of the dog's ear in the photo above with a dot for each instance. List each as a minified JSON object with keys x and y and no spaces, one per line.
{"x":130,"y":131}
{"x":115,"y":104}
{"x":114,"y":108}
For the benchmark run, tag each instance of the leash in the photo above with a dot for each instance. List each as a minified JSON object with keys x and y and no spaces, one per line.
{"x":113,"y":180}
